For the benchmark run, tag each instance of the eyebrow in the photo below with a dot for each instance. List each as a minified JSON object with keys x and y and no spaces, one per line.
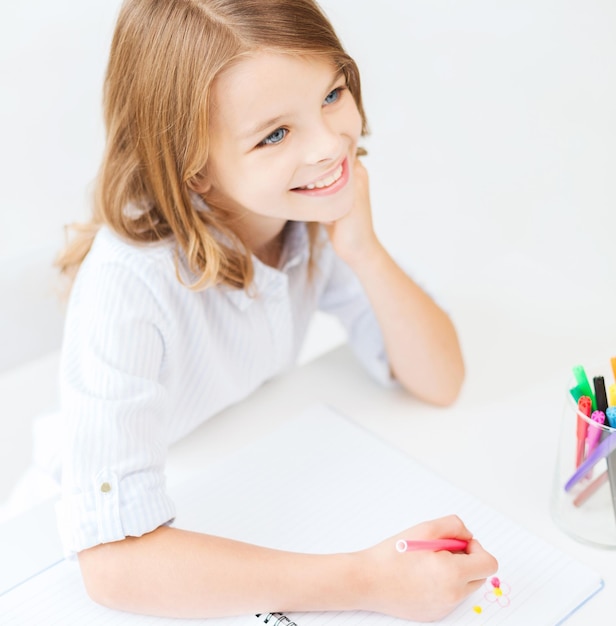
{"x":261,"y":128}
{"x":275,"y":121}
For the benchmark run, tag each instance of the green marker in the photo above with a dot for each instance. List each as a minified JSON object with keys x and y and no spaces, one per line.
{"x":576,"y":393}
{"x":584,"y":385}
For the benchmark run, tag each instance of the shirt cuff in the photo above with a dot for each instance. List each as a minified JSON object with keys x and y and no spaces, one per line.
{"x":112,"y":510}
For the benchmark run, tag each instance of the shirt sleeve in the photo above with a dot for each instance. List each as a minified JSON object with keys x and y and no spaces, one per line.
{"x":114,"y":410}
{"x":345,"y":298}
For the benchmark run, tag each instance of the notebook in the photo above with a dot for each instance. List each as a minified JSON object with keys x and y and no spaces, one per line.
{"x":321,"y":483}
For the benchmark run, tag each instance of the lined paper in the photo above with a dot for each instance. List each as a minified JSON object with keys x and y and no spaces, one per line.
{"x":317,"y":484}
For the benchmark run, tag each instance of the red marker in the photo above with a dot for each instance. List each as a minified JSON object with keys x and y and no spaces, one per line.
{"x":435,"y":545}
{"x":584,"y":407}
{"x":590,"y":489}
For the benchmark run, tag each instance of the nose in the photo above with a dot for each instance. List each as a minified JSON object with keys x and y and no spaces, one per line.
{"x":322,"y":143}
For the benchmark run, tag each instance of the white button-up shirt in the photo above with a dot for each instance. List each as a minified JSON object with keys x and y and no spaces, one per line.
{"x":145,"y":360}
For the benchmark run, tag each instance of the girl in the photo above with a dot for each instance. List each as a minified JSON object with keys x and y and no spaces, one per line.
{"x":230,"y":206}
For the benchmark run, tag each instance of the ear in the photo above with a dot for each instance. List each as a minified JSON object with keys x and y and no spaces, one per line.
{"x":199,"y":183}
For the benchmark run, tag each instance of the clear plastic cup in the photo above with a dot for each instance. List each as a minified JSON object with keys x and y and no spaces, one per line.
{"x":584,"y":500}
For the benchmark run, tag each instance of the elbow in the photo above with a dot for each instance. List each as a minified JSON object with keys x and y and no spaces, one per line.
{"x":447,"y":397}
{"x":103,"y":575}
{"x":449,"y":392}
{"x":126,"y":575}
{"x":451,"y":373}
{"x":441,"y":390}
{"x":449,"y":378}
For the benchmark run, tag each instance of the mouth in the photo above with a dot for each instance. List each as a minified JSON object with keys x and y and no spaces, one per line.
{"x":331,"y":182}
{"x":328,"y":181}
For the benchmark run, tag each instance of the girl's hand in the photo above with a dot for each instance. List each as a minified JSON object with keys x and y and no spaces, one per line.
{"x":353,"y":235}
{"x":424,"y":585}
{"x":421,"y":343}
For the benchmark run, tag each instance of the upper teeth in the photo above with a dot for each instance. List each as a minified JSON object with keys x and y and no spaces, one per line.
{"x":326,"y":182}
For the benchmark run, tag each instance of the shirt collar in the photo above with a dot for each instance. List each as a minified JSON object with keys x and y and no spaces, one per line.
{"x":269,"y":281}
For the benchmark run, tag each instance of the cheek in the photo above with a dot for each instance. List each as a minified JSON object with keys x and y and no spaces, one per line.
{"x":354,"y":122}
{"x":268,"y":175}
{"x":230,"y":178}
{"x":257,"y":188}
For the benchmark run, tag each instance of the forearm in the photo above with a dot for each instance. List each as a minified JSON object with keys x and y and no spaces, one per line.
{"x":178,"y":573}
{"x":172,"y":572}
{"x":420,"y":339}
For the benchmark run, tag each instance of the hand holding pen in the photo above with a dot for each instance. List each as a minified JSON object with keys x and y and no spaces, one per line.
{"x":441,"y":565}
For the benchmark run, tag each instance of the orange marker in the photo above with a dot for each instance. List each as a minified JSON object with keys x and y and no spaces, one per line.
{"x":611,"y":395}
{"x":613,"y":362}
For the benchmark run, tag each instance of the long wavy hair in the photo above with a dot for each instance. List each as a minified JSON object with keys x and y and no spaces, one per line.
{"x":164,"y":58}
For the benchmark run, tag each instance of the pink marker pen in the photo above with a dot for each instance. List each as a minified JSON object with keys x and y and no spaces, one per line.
{"x":435,"y":545}
{"x":594,"y":432}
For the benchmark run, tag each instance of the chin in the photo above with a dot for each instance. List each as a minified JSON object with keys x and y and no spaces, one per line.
{"x":345,"y":207}
{"x":333,"y":216}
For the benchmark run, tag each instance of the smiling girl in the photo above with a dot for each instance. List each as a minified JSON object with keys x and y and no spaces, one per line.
{"x":231,"y":205}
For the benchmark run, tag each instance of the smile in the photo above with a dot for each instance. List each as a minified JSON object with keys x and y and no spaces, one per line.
{"x":325,"y":182}
{"x":329,"y":185}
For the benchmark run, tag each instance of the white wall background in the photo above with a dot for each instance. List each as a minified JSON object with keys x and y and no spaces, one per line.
{"x":492,"y":160}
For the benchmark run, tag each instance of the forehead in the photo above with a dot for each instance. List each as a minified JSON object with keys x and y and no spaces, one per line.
{"x":265,"y":85}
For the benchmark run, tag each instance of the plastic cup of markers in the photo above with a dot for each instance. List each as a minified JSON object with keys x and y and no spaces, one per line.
{"x":584,"y":501}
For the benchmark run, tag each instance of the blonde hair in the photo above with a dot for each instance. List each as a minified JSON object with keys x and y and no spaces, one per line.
{"x":164,"y":57}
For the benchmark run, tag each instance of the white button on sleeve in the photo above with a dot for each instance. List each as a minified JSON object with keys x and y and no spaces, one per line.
{"x":113,"y":408}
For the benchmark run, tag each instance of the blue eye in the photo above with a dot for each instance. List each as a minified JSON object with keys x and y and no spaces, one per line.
{"x":333,"y":96}
{"x":276,"y":137}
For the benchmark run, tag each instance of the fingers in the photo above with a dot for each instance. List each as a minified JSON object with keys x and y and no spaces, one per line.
{"x":448,"y":527}
{"x":476,"y":565}
{"x":474,"y":585}
{"x":426,"y":584}
{"x":482,"y":560}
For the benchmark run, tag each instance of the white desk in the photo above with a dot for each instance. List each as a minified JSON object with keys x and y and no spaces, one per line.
{"x":481,"y":444}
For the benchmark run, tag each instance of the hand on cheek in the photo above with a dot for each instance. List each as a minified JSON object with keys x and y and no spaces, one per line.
{"x":353,"y":235}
